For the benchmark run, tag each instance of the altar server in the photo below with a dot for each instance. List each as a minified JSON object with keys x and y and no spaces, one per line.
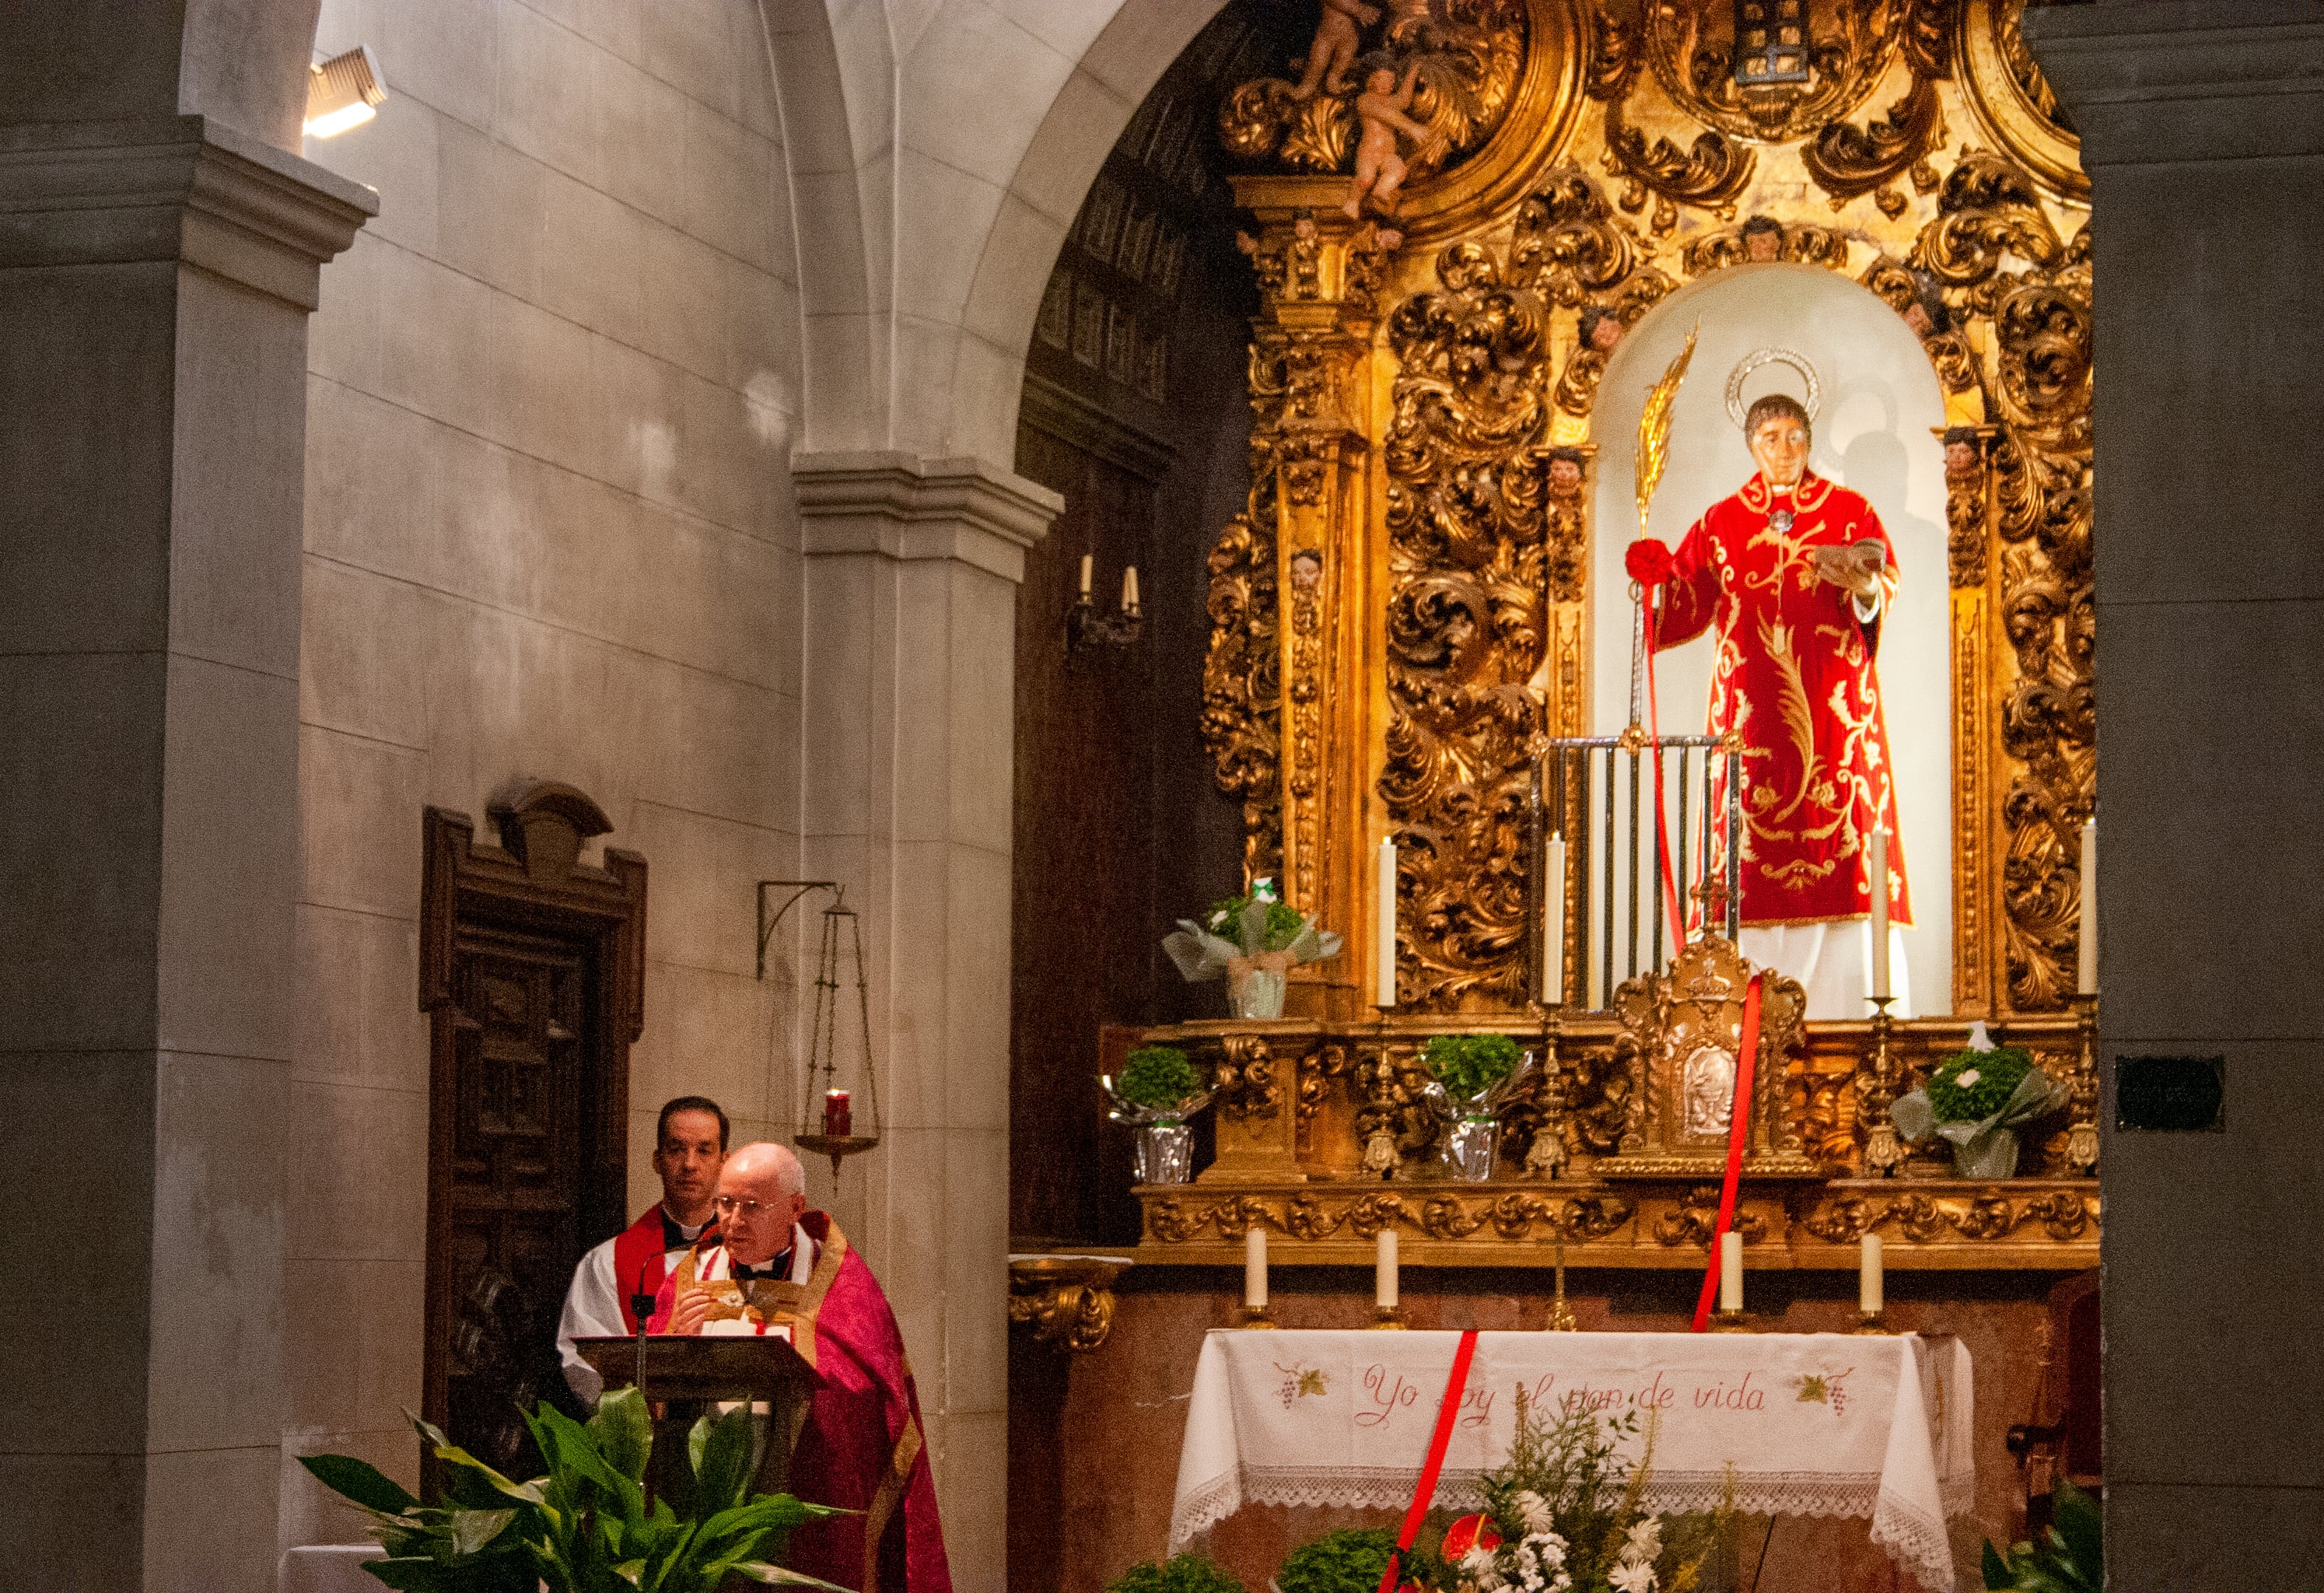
{"x":777,"y":1268}
{"x":689,"y":1148}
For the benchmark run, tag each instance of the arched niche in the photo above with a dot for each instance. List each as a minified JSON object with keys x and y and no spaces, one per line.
{"x":1876,"y":433}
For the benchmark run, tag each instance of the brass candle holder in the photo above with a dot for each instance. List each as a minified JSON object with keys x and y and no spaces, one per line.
{"x":2082,"y":1091}
{"x":1255,"y":1316}
{"x":1875,"y":1092}
{"x":1561,"y":1315}
{"x":1731,"y":1322}
{"x":1386,"y":1319}
{"x":1871,"y":1321}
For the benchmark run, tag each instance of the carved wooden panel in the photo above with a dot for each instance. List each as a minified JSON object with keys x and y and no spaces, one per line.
{"x":532,"y":971}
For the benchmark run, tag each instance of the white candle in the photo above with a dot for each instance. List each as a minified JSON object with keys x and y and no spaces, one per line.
{"x":1384,"y":1271}
{"x":1254,"y":1268}
{"x":1553,"y":923}
{"x":1384,"y":949}
{"x":2086,"y":973}
{"x":1731,"y":1271}
{"x":1129,"y":590}
{"x":1868,"y":1283}
{"x":1879,"y":871}
{"x":1087,"y":562}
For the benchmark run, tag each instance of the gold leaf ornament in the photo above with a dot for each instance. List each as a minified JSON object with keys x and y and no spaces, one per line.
{"x":1655,"y":426}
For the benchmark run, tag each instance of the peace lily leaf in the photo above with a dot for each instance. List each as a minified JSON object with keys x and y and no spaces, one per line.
{"x":1997,"y":1576}
{"x":361,"y":1481}
{"x":759,"y":1571}
{"x":473,"y":1529}
{"x":623,"y":1429}
{"x":723,"y":1473}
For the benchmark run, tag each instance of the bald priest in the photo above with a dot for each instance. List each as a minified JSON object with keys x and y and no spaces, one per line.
{"x":774,"y":1266}
{"x":620,"y":1277}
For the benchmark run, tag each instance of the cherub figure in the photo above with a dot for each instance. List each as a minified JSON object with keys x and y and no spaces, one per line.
{"x":1333,"y":55}
{"x":1380,"y":169}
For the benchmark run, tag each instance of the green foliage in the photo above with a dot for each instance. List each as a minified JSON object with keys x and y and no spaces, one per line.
{"x":1348,"y":1560}
{"x":2071,"y":1558}
{"x":1283,"y":923}
{"x":1157,"y":1075}
{"x":1186,"y":1573}
{"x":1467,"y":1065}
{"x":1969,"y":1086}
{"x":583,"y":1526}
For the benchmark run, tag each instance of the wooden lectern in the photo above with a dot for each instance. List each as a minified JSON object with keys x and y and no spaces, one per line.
{"x":683,"y":1376}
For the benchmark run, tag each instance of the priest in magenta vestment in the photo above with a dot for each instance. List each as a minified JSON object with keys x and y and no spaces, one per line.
{"x":782,"y":1268}
{"x":1794,"y":573}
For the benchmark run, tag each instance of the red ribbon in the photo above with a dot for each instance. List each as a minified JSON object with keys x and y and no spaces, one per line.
{"x":1426,"y":1494}
{"x":1739,"y":1131}
{"x":1655,"y":735}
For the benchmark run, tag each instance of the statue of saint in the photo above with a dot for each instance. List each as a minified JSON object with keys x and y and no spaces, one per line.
{"x":1792,"y":572}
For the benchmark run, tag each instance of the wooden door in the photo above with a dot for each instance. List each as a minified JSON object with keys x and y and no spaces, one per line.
{"x":532,"y":968}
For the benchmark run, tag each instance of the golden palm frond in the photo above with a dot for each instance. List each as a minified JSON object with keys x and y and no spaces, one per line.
{"x":1655,"y":426}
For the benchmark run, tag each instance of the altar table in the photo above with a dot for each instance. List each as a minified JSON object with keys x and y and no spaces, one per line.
{"x":1811,"y":1423}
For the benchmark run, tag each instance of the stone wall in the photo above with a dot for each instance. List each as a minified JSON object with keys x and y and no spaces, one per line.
{"x":550,"y":530}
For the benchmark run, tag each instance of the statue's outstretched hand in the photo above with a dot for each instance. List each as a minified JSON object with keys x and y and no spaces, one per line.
{"x":1856,"y":569}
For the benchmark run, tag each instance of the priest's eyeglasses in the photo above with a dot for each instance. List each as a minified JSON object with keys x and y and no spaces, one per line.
{"x":728,"y":1206}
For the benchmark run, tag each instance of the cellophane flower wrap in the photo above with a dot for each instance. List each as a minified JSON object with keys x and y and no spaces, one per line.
{"x":1565,"y":1515}
{"x":1978,"y":1100}
{"x":1157,"y":1086}
{"x":1248,"y":940}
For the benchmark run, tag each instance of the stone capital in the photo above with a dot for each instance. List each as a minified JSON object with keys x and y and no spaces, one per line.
{"x":2186,"y":81}
{"x":177,"y":187}
{"x":903,"y":507}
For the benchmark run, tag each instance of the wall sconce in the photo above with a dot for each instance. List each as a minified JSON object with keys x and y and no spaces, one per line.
{"x":346,"y":91}
{"x":1087,"y":627}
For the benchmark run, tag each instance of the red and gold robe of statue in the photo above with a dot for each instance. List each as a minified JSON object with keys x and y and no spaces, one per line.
{"x":1794,"y":679}
{"x":861,"y":1447}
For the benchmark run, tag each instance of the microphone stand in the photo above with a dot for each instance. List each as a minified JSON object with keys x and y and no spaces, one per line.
{"x":642,"y":1306}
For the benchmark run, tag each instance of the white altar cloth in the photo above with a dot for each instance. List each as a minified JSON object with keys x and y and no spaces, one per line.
{"x":1812,"y":1423}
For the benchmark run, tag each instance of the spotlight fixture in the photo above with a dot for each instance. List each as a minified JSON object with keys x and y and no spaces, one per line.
{"x":346,"y":91}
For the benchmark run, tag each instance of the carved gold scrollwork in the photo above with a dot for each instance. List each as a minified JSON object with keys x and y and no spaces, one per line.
{"x":1691,"y":47}
{"x":1242,"y":698}
{"x":1707,"y":174}
{"x":1066,"y":1300}
{"x":1847,"y":160}
{"x":1799,"y":243}
{"x":2064,"y":1215}
{"x":1467,"y":56}
{"x":1696,"y":1217}
{"x":1245,"y":1083}
{"x":1390,"y":1084}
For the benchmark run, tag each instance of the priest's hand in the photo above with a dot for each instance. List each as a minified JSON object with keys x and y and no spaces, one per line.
{"x":690,"y":1312}
{"x":1855,"y":570}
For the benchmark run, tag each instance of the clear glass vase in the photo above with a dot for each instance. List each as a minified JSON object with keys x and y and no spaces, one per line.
{"x":1469,"y":1147}
{"x":1258,"y":993}
{"x":1165,"y":1153}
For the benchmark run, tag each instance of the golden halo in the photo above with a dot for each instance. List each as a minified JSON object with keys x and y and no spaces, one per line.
{"x":1773,"y":357}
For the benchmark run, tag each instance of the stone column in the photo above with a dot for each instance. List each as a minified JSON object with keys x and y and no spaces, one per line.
{"x":911,"y":573}
{"x":155,"y":280}
{"x":2203,"y":130}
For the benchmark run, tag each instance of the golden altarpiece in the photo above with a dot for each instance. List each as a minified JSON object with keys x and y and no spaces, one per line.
{"x":1410,"y":563}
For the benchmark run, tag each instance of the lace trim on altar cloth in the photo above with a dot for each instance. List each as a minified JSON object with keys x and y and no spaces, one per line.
{"x":1916,"y":1540}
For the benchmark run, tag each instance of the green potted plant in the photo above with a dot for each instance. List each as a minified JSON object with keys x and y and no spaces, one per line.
{"x":1470,"y":1078}
{"x":583,"y":1526}
{"x":1181,"y":1573}
{"x":1157,"y":1091}
{"x":2069,"y":1558}
{"x":1254,"y":940}
{"x":1977,"y":1100}
{"x":1350,"y":1561}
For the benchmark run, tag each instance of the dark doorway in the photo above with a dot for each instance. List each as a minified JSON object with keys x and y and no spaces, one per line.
{"x":532,"y":969}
